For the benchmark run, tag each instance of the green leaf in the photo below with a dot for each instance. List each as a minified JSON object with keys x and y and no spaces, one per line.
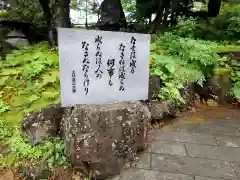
{"x":170,"y":68}
{"x":50,"y":95}
{"x":153,"y":47}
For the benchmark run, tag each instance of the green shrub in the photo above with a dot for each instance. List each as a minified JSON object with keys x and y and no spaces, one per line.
{"x":225,"y":27}
{"x":184,"y":60}
{"x":185,"y":28}
{"x":29,"y":80}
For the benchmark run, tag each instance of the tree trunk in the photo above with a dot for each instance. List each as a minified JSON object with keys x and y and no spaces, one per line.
{"x":149,"y":20}
{"x":59,"y":18}
{"x":61,"y":10}
{"x":163,"y":7}
{"x":48,"y":17}
{"x":214,"y":8}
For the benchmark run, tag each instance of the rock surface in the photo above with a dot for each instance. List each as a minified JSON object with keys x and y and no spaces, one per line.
{"x":43,"y":124}
{"x":35,"y":172}
{"x":217,"y":88}
{"x":154,"y":87}
{"x":161,"y":110}
{"x":188,"y":94}
{"x":17,"y":39}
{"x":223,"y":86}
{"x":101,"y":138}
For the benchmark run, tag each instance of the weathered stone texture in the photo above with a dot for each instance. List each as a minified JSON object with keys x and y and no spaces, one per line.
{"x":161,"y":110}
{"x":43,"y":124}
{"x":99,"y":138}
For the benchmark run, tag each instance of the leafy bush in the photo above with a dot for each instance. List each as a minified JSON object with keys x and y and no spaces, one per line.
{"x":182,"y":61}
{"x":29,"y":80}
{"x":235,"y":76}
{"x":185,"y":28}
{"x":224,"y":27}
{"x":49,"y":154}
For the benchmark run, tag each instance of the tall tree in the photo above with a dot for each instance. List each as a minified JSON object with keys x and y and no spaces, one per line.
{"x":56,"y":15}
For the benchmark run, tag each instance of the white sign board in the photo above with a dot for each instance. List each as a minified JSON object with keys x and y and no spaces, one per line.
{"x":101,"y":67}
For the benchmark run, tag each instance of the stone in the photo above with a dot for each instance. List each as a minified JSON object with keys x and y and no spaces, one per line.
{"x":204,"y":178}
{"x":206,"y":91}
{"x":182,"y":126}
{"x":140,"y":174}
{"x":236,"y":167}
{"x":212,"y":103}
{"x":6,"y":48}
{"x":143,"y":162}
{"x":43,"y":124}
{"x":154,"y":87}
{"x":188,"y":94}
{"x":161,"y":110}
{"x":229,"y":141}
{"x":221,"y":85}
{"x":217,"y":88}
{"x":213,"y":128}
{"x":35,"y":172}
{"x":185,"y":137}
{"x":193,"y":166}
{"x":213,"y":152}
{"x":164,"y":147}
{"x":17,"y":39}
{"x":101,"y":138}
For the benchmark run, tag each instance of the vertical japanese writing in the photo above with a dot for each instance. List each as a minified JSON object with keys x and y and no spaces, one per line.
{"x":74,"y":90}
{"x":121,"y":75}
{"x":133,"y":55}
{"x":98,"y":56}
{"x":85,"y":66}
{"x":111,"y":70}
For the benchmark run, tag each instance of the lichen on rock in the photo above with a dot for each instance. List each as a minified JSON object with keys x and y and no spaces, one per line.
{"x":101,"y":138}
{"x":43,"y":124}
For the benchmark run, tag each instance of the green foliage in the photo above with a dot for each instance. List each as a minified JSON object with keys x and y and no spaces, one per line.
{"x":29,"y":11}
{"x":29,"y":80}
{"x":183,"y":61}
{"x":3,"y":106}
{"x":5,"y":130}
{"x":129,"y":8}
{"x":235,"y":76}
{"x":224,"y":27}
{"x":50,"y":154}
{"x":185,"y":28}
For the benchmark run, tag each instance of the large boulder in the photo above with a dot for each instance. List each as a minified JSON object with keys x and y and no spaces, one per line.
{"x":43,"y":124}
{"x":101,"y":138}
